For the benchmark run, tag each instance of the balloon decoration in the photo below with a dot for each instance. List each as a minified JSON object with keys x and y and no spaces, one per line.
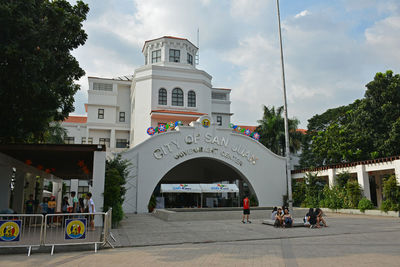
{"x":83,"y":166}
{"x":162,"y":128}
{"x":236,"y":128}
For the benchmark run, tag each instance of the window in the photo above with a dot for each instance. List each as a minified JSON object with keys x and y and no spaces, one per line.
{"x":104,"y":141}
{"x":219,"y":96}
{"x":162,"y":96}
{"x":90,"y":140}
{"x":121,"y":143}
{"x":174,"y":55}
{"x":191,"y":99}
{"x":177,"y":97}
{"x":156,"y":56}
{"x":69,"y":140}
{"x":100,"y":113}
{"x":189,"y":59}
{"x":122,"y":116}
{"x":83,"y":140}
{"x":103,"y":87}
{"x":219,"y":120}
{"x":83,"y":188}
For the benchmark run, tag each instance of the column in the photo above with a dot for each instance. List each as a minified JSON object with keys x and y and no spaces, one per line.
{"x":99,"y":169}
{"x":363,"y":180}
{"x":112,"y":139}
{"x":74,"y":187}
{"x":397,"y":169}
{"x":332,"y":177}
{"x":5,"y":179}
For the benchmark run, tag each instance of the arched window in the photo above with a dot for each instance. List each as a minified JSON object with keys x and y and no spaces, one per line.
{"x":162,"y":96}
{"x":191,"y":99}
{"x":177,"y":97}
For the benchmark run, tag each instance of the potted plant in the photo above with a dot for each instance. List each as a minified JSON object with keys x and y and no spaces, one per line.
{"x":152,"y":203}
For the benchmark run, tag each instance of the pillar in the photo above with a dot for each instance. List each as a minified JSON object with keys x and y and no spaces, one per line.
{"x":99,"y":169}
{"x":5,"y":179}
{"x":397,"y":169}
{"x":74,"y":187}
{"x":363,"y":180}
{"x":332,"y":177}
{"x":112,"y":138}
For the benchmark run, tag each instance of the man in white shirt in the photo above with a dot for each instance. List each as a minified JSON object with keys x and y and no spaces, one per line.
{"x":92,"y":209}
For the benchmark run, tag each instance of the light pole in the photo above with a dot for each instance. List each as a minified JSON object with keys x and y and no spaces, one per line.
{"x":287,"y":149}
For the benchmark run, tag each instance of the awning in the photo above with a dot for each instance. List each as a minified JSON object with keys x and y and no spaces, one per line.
{"x":199,"y":188}
{"x":180,"y":188}
{"x":219,"y":188}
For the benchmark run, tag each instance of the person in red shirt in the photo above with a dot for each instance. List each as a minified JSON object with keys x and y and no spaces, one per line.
{"x":246,"y":209}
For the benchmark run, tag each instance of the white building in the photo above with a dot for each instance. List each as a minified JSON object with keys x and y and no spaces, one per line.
{"x":203,"y":149}
{"x":167,"y":88}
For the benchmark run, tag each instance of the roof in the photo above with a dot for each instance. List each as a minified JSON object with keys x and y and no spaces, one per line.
{"x":303,"y":131}
{"x":178,"y":112}
{"x":62,"y":160}
{"x":348,"y":164}
{"x":222,"y":88}
{"x":123,"y":78}
{"x":251,"y":128}
{"x":76,"y":119}
{"x":169,"y":37}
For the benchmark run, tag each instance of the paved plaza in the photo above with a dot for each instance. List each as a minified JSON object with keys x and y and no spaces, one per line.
{"x":144,"y":240}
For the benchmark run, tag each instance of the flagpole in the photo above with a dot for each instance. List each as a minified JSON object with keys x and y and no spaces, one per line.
{"x":287,"y":149}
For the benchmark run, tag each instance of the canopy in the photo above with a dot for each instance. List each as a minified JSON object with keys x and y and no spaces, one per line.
{"x":180,"y":188}
{"x":199,"y":188}
{"x":219,"y":188}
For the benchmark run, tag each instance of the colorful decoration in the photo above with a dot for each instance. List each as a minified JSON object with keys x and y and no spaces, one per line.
{"x":206,"y":123}
{"x":10,"y":230}
{"x":28,"y":162}
{"x":247,"y":132}
{"x":75,"y":228}
{"x":163,"y":127}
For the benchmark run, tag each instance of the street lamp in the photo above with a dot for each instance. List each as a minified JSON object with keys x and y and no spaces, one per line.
{"x":287,"y":149}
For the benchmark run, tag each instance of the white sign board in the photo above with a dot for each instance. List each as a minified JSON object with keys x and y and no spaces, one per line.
{"x":219,"y":188}
{"x":180,"y":188}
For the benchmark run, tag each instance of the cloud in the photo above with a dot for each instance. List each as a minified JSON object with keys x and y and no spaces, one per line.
{"x":302,"y":14}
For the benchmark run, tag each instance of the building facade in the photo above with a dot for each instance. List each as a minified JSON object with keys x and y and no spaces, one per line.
{"x":168,"y":87}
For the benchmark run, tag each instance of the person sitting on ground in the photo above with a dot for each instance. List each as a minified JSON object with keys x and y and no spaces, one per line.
{"x":320,"y":219}
{"x":273,"y":214}
{"x":312,"y":218}
{"x":278,"y":218}
{"x":287,"y":219}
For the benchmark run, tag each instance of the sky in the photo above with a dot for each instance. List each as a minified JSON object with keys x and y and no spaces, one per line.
{"x":332,"y":48}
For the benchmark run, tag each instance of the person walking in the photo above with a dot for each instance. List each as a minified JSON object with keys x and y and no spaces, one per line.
{"x":246,"y":209}
{"x":92,"y":209}
{"x":75,"y":202}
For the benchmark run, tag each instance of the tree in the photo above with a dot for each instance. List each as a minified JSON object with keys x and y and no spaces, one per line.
{"x":272,"y":131}
{"x":114,"y":190}
{"x":37,"y":69}
{"x":366,"y":129}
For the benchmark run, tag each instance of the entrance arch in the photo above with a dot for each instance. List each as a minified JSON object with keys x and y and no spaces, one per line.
{"x":154,"y":158}
{"x":209,"y":171}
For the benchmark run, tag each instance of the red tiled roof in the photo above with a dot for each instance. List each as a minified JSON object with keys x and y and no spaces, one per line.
{"x":170,"y":37}
{"x":251,"y":128}
{"x":303,"y":131}
{"x":76,"y":119}
{"x":178,"y":112}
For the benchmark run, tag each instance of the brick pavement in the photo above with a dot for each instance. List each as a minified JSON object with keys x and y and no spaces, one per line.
{"x":350,"y":240}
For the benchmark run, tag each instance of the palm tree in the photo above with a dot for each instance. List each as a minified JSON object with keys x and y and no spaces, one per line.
{"x":272,"y":131}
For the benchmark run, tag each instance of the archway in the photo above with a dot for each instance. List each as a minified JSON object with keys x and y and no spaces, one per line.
{"x":205,"y":144}
{"x":204,"y":170}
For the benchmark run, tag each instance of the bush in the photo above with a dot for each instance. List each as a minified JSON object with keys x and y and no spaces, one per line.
{"x":365,"y":204}
{"x":391,"y":193}
{"x":114,"y":190}
{"x":313,"y":190}
{"x":353,"y":194}
{"x":333,"y":197}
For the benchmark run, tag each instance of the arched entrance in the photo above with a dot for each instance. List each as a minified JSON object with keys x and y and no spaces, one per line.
{"x":202,"y":147}
{"x":204,"y":171}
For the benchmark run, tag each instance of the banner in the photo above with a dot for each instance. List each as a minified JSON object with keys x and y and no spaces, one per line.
{"x":219,"y":188}
{"x":180,"y":188}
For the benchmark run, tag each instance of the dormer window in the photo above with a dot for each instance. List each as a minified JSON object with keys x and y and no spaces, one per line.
{"x":156,"y":56}
{"x":174,"y":55}
{"x":189,"y":59}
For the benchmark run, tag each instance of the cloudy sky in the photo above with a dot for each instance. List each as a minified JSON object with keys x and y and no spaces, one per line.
{"x":332,"y":47}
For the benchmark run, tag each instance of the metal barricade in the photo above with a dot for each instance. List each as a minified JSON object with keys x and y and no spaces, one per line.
{"x":75,"y":229}
{"x":21,"y":230}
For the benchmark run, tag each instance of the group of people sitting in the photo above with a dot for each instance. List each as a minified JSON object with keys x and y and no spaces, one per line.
{"x":282,"y":217}
{"x":312,"y":219}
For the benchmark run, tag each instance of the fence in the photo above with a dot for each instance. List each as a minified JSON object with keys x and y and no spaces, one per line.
{"x":21,"y":230}
{"x":28,"y":230}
